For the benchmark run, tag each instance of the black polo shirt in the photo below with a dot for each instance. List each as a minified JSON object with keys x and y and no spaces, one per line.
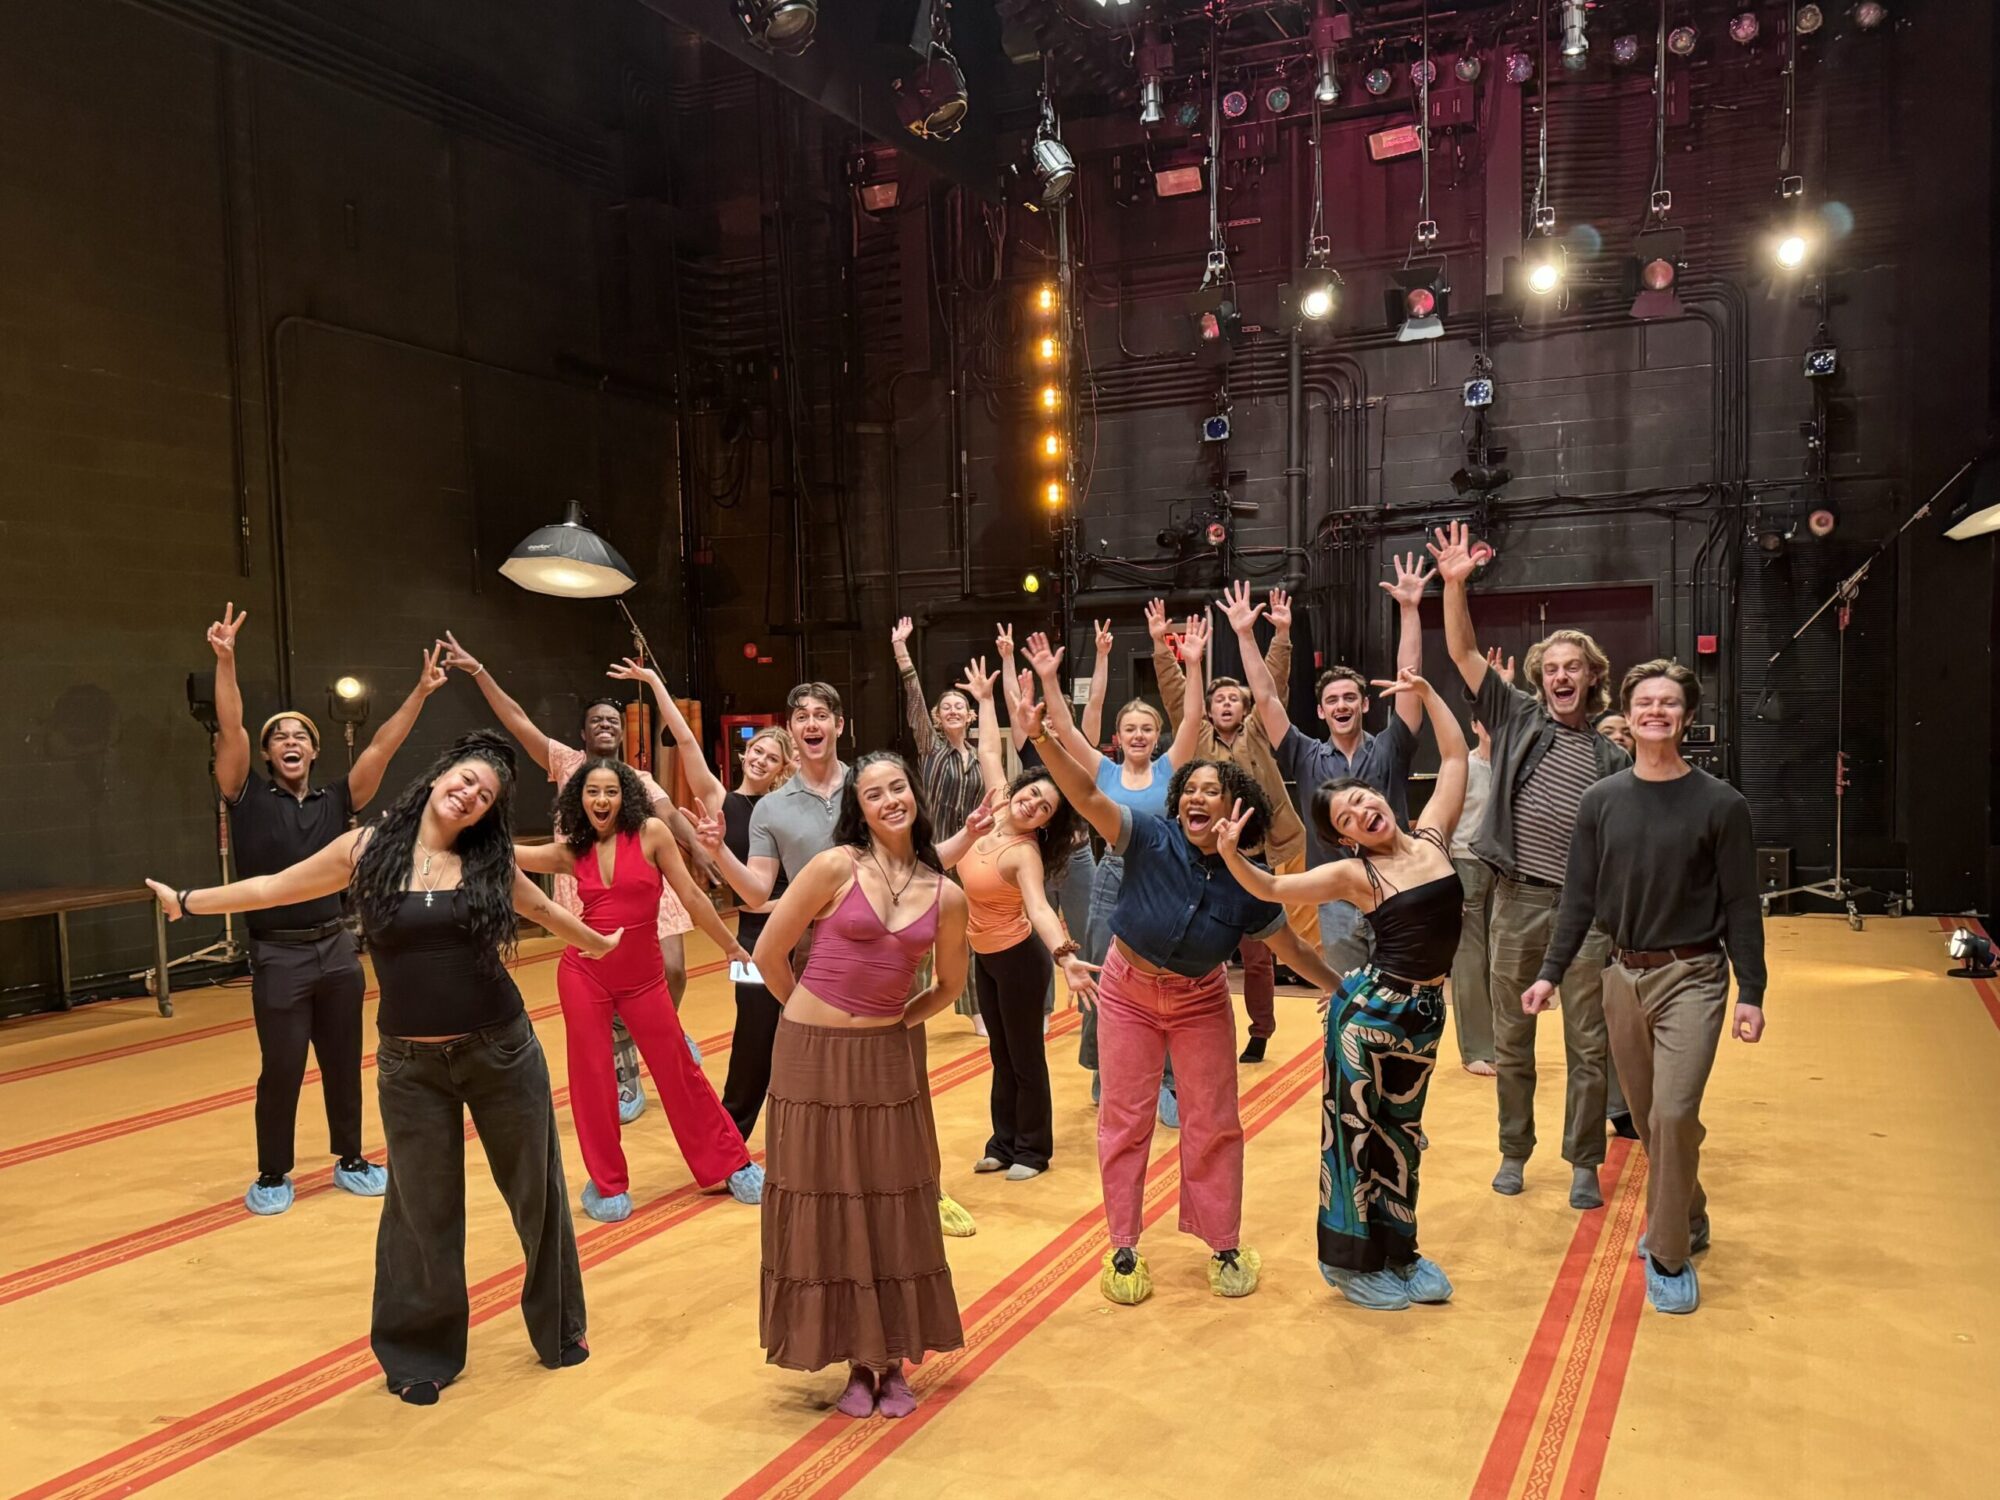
{"x":270,"y":829}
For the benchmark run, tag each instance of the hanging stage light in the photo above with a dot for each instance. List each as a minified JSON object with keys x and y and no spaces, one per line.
{"x":1046,"y":297}
{"x":1329,"y":30}
{"x":1744,"y":28}
{"x":1277,"y":99}
{"x":1791,"y":246}
{"x":1051,"y":398}
{"x":1576,"y":45}
{"x":1544,"y":265}
{"x":1624,"y":49}
{"x":931,"y":101}
{"x":1152,"y":101}
{"x":1423,"y":74}
{"x":1869,"y":14}
{"x":1327,"y":89}
{"x":1319,"y":295}
{"x":1468,"y":66}
{"x":782,"y":26}
{"x":1052,"y":494}
{"x":1235,"y":104}
{"x":1681,"y":41}
{"x":1055,"y":167}
{"x":570,"y":560}
{"x":1520,"y":67}
{"x":1378,"y":82}
{"x":1810,"y":19}
{"x":1031,"y":583}
{"x":1653,"y":273}
{"x":1416,"y":301}
{"x":1154,"y":59}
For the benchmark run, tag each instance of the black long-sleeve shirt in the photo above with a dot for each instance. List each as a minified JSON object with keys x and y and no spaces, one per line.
{"x":1664,"y":864}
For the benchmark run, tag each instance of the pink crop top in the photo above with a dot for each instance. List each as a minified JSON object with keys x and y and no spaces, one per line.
{"x":858,"y":965}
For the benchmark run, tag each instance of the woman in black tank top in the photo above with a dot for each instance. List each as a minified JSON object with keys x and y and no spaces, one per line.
{"x":437,"y":891}
{"x":1383,"y":1027}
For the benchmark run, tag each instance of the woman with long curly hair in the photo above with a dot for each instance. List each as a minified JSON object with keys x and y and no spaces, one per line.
{"x":620,"y":855}
{"x":437,"y":891}
{"x":1178,"y":917}
{"x":1016,"y":938}
{"x":853,"y":1252}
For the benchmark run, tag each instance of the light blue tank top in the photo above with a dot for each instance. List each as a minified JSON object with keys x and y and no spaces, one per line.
{"x":1151,"y":799}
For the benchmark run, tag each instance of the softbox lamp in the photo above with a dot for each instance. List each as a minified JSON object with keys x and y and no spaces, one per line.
{"x":569,"y":560}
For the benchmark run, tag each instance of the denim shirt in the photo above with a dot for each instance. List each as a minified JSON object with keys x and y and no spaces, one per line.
{"x":1179,"y":908}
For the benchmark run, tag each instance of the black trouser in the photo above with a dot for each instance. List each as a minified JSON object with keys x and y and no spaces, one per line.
{"x":749,"y":1078}
{"x":304,"y":993}
{"x":421,"y":1308}
{"x":1010,"y":985}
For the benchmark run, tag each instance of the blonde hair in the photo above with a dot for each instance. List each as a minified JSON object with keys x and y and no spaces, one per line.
{"x":787,"y":751}
{"x":1593,"y":655}
{"x":1159,"y":719}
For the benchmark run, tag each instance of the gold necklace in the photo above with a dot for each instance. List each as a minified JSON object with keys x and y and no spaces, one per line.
{"x":895,"y":891}
{"x":425,"y":874}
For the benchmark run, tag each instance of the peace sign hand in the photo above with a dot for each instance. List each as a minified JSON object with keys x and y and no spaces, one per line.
{"x":1229,"y":832}
{"x":1103,"y":637}
{"x":431,"y":678}
{"x":222,"y":634}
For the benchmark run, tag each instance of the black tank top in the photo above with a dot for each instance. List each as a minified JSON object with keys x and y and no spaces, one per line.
{"x":1416,"y":930}
{"x":435,"y":980}
{"x":736,"y":808}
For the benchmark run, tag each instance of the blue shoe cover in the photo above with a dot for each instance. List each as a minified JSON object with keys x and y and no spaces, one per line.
{"x":746,"y":1183}
{"x":606,"y":1210}
{"x":1383,"y":1291}
{"x":269,"y":1200}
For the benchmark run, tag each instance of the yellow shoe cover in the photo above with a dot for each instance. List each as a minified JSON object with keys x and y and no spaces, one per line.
{"x":954,"y":1220}
{"x":1127,"y":1291}
{"x":1239,"y":1280}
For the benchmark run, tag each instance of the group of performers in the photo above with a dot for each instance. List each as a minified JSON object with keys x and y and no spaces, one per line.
{"x":876,"y":895}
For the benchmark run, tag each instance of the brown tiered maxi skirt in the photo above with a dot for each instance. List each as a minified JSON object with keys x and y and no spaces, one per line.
{"x":854,"y":1265}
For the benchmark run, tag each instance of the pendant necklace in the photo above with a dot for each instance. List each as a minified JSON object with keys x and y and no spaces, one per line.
{"x":425,"y":873}
{"x":895,"y":891}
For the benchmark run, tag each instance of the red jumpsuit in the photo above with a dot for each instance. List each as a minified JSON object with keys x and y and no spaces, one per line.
{"x":630,"y":982}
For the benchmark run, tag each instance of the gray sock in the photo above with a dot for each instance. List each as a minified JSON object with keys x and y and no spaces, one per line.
{"x":1583,"y":1189}
{"x":1509,"y":1179}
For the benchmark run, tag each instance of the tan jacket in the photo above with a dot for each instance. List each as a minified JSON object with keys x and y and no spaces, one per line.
{"x":1252,"y":750}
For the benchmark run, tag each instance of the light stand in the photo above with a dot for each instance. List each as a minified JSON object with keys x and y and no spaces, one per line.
{"x":226,"y":949}
{"x":347,"y":706}
{"x":1839,"y":888}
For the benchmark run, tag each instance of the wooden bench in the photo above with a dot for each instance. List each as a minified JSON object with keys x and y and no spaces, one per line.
{"x":60,"y":900}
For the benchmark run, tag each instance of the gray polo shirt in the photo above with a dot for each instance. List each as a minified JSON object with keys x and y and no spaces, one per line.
{"x":794,"y":823}
{"x":1382,"y":760}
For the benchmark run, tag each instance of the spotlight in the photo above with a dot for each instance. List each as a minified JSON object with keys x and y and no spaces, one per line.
{"x":348,"y":688}
{"x":782,"y":26}
{"x":1822,"y":522}
{"x":1653,"y":273}
{"x":1416,"y":301}
{"x":1423,"y":73}
{"x":1235,"y":104}
{"x":1974,"y":952}
{"x":1051,"y":398}
{"x":1320,"y":295}
{"x":1810,"y":19}
{"x":347,"y":703}
{"x":569,"y":559}
{"x":1051,"y":444}
{"x":1744,"y":27}
{"x":1178,"y":177}
{"x":1052,"y":493}
{"x":931,"y":102}
{"x":1790,"y":249}
{"x":1545,"y":272}
{"x":1327,"y":90}
{"x":1328,"y":32}
{"x":1520,"y":67}
{"x":1055,"y":167}
{"x":1031,"y":583}
{"x":1045,"y":297}
{"x":1467,"y":68}
{"x":1575,"y":43}
{"x":1154,"y":59}
{"x":1218,"y":323}
{"x":1821,"y":361}
{"x":1773,"y":534}
{"x":1278,"y":99}
{"x":1378,"y":82}
{"x":1868,"y":14}
{"x":1624,"y":49}
{"x":1681,"y":41}
{"x":1188,"y":115}
{"x":1046,"y":349}
{"x":1152,"y":101}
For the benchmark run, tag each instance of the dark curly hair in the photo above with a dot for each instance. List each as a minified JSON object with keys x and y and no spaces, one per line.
{"x":1057,"y":838}
{"x":851,"y":828}
{"x":1237,"y":785}
{"x":1322,"y":806}
{"x":572,"y":824}
{"x":486,"y":847}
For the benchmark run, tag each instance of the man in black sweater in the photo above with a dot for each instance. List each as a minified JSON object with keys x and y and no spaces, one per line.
{"x":1662,"y":856}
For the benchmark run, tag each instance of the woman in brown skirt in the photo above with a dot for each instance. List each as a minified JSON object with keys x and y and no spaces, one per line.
{"x":854,"y":1265}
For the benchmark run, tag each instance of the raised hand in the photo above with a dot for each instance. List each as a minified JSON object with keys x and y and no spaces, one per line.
{"x":457,"y":658}
{"x":1453,"y":552}
{"x":900,"y":634}
{"x":978,"y":681}
{"x":1103,"y":637}
{"x":1031,"y":718}
{"x":1024,"y":689}
{"x":1278,"y":610}
{"x":1194,"y":637}
{"x":1411,"y":579}
{"x":1229,"y":832}
{"x":1237,"y":608}
{"x":431,"y":678}
{"x":1003,"y":643}
{"x":979,"y":819}
{"x":1406,"y":681}
{"x":1156,"y":620}
{"x":1041,"y":656}
{"x":1503,"y":669}
{"x":708,"y":827}
{"x":222,"y":634}
{"x":631,"y":669}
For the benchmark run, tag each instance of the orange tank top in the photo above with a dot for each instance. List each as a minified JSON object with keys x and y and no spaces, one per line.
{"x":995,"y":917}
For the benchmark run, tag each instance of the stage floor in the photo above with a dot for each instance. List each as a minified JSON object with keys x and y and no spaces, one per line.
{"x":158,"y":1336}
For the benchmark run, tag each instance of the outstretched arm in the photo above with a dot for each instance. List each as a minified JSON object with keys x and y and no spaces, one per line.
{"x":1448,"y":795}
{"x":365,"y":780}
{"x":317,"y":875}
{"x":1047,"y":662}
{"x":552,"y":858}
{"x":1453,"y":552}
{"x":915,"y":709}
{"x":1100,"y":683}
{"x":1408,"y":592}
{"x":1003,"y":650}
{"x":658,"y":842}
{"x":1078,"y":785}
{"x":1167,"y":666}
{"x":1303,"y":959}
{"x":1265,"y":690}
{"x":530,"y":902}
{"x":1022,"y":864}
{"x":1194,"y":707}
{"x":232,"y":740}
{"x":510,"y":714}
{"x":1322,"y":883}
{"x":703,"y":784}
{"x":1278,"y":659}
{"x":978,"y":684}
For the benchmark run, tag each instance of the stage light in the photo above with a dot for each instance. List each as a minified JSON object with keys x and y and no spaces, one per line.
{"x":1178,"y":182}
{"x":749,"y":650}
{"x":932,"y":101}
{"x":1052,"y":494}
{"x":1773,"y":534}
{"x":1031,"y":583}
{"x":1218,"y":323}
{"x":1790,"y":250}
{"x":1822,"y":522}
{"x":1624,"y":49}
{"x":1545,"y":272}
{"x":1468,"y":67}
{"x":1681,"y":41}
{"x":1423,"y":74}
{"x":1576,"y":44}
{"x":1329,"y":30}
{"x":1045,"y":297}
{"x":1416,"y":301}
{"x":1744,"y":27}
{"x":782,"y":26}
{"x":1278,"y":99}
{"x":1653,"y":273}
{"x":1152,"y":101}
{"x":1869,"y":14}
{"x":1520,"y":67}
{"x":1978,"y":513}
{"x":569,"y":559}
{"x":1051,"y":398}
{"x":1974,"y":953}
{"x":1051,"y":445}
{"x":1235,"y":104}
{"x":1187,"y":117}
{"x":1317,"y":301}
{"x":347,"y":706}
{"x":1055,"y":167}
{"x":1046,"y":350}
{"x":348,"y":688}
{"x":1153,"y":59}
{"x":1810,"y":19}
{"x":1378,"y":82}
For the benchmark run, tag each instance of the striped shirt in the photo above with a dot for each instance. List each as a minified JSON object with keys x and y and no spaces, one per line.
{"x":950,"y":778}
{"x":1545,"y":815}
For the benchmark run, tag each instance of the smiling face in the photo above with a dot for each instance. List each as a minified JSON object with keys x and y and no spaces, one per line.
{"x":1363,"y":818}
{"x":816,"y":730}
{"x":1658,"y":712}
{"x":1202,"y":806}
{"x":604,"y":731}
{"x":1032,"y":806}
{"x":953,"y":713}
{"x":290,"y":750}
{"x":1138,"y":734}
{"x":1228,"y":708}
{"x":1341,"y":707}
{"x":1567,"y":678}
{"x":762,"y":761}
{"x":888,"y":805}
{"x":603,"y":796}
{"x":1617,"y":729}
{"x":461,"y":796}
